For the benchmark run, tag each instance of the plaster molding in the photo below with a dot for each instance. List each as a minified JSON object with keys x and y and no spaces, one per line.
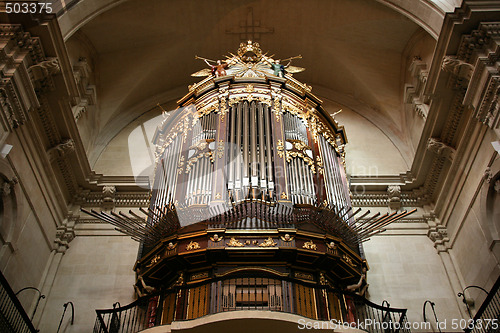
{"x":441,"y":149}
{"x":108,"y":197}
{"x":60,"y":150}
{"x":394,"y":196}
{"x":119,"y":199}
{"x":414,"y":91}
{"x":7,"y":185}
{"x":437,"y":233}
{"x":65,"y":233}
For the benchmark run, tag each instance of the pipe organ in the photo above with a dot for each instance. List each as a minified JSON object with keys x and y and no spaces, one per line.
{"x":250,"y":181}
{"x":243,"y":138}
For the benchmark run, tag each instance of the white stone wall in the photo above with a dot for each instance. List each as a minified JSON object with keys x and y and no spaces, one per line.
{"x":406,"y":270}
{"x":94,"y":273}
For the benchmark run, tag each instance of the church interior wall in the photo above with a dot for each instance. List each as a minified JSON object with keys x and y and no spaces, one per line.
{"x":406,"y":270}
{"x":33,"y":220}
{"x":94,"y":273}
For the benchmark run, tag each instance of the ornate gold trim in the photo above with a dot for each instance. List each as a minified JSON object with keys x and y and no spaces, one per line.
{"x":154,"y":261}
{"x":193,"y":246}
{"x":280,"y":148}
{"x":310,"y":246}
{"x":220,"y":149}
{"x":348,"y":260}
{"x":262,"y":269}
{"x":234,"y":243}
{"x":216,"y":238}
{"x":268,"y":243}
{"x":195,"y":159}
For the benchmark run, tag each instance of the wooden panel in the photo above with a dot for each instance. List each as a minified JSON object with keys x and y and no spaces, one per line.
{"x":334,"y":307}
{"x":168,"y":309}
{"x":198,"y":301}
{"x":305,"y":301}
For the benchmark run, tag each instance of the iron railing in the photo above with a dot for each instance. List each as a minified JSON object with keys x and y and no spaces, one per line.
{"x":487,"y":318}
{"x":316,"y":302}
{"x":13,"y":318}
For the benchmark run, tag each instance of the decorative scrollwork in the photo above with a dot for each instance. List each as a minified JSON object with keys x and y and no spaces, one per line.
{"x":268,"y":243}
{"x":276,"y":107}
{"x":154,"y":261}
{"x":235,"y":243}
{"x":310,"y":246}
{"x":195,"y":159}
{"x":220,"y":149}
{"x":319,"y":163}
{"x":193,"y":246}
{"x":309,"y":161}
{"x":280,"y":148}
{"x":348,"y":260}
{"x":215,"y":238}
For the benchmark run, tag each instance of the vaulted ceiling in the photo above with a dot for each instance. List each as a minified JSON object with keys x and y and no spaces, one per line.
{"x":142,"y":53}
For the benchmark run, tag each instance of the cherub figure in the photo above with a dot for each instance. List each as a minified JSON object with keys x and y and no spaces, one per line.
{"x":279,"y":69}
{"x":218,"y":70}
{"x":360,"y":287}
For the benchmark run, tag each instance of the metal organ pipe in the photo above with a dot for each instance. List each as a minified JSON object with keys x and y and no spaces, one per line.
{"x":231,"y":142}
{"x":253,"y":144}
{"x":238,"y":165}
{"x":262,"y":165}
{"x":270,"y":182}
{"x":246,"y":124}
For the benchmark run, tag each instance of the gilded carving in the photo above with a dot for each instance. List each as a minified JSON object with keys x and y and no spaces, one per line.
{"x":153,"y":261}
{"x":223,"y":97}
{"x":193,"y":246}
{"x":280,"y":148}
{"x":287,"y":238}
{"x":198,"y":276}
{"x":220,"y":149}
{"x":215,"y":238}
{"x":276,"y":106}
{"x":195,"y":159}
{"x":268,"y":243}
{"x":331,"y":245}
{"x":319,"y":163}
{"x":309,"y":161}
{"x":234,"y":243}
{"x":348,"y":260}
{"x":304,"y":276}
{"x":310,"y":246}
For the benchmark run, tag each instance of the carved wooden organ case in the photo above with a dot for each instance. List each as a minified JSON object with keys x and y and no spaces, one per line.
{"x":250,"y":178}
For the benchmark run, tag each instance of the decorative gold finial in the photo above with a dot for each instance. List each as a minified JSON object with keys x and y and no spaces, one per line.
{"x":250,"y":52}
